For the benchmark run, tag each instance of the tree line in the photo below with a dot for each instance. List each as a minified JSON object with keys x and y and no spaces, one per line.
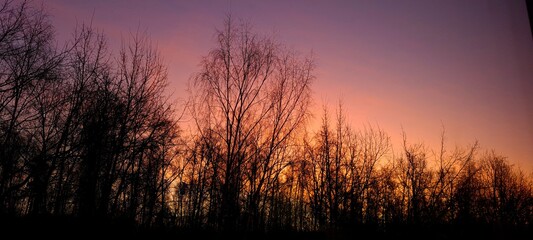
{"x":83,"y":132}
{"x":89,"y":133}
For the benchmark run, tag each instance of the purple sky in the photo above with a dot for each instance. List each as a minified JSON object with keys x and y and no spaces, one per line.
{"x":467,"y":65}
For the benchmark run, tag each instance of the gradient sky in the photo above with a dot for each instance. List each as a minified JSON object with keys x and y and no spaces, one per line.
{"x":416,"y":65}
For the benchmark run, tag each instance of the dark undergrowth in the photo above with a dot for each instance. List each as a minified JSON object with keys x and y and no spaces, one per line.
{"x":101,"y":228}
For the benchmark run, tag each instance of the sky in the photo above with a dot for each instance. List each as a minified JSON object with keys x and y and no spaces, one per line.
{"x":420,"y":66}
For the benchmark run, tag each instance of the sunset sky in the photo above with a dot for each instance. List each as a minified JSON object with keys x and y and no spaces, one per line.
{"x":416,"y":65}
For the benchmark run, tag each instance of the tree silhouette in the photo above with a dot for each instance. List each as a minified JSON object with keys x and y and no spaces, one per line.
{"x":89,"y":139}
{"x":29,"y":65}
{"x":251,"y":95}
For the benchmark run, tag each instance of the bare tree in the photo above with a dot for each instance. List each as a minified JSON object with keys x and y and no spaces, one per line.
{"x":448,"y":168}
{"x":251,"y":94}
{"x":28,"y":59}
{"x":414,"y":178}
{"x":343,"y":190}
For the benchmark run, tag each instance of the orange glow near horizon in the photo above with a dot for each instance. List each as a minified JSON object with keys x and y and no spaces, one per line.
{"x":461,"y":65}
